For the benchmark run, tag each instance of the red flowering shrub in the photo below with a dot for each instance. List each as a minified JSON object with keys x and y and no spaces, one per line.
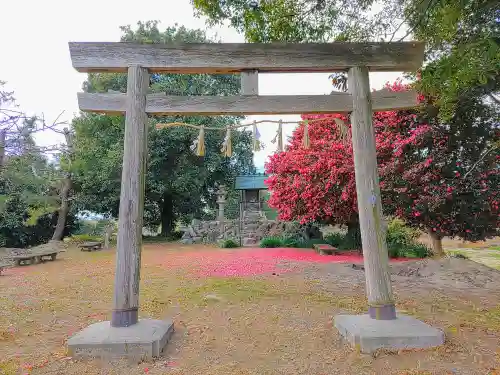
{"x":423,"y":167}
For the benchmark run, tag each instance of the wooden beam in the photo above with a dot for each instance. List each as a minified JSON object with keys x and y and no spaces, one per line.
{"x":236,"y":57}
{"x":161,"y":104}
{"x":130,"y":218}
{"x":376,"y":258}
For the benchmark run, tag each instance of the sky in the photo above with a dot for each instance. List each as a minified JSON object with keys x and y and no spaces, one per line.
{"x":36,"y":64}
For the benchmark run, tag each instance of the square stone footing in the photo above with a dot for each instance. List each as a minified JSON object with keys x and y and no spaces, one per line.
{"x":142,"y":341}
{"x":404,"y":332}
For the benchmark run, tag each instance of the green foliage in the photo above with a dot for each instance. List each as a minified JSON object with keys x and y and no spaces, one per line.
{"x":173,"y":236}
{"x":229,"y":244}
{"x":271,"y":242}
{"x":400,"y":235}
{"x":335,"y":239}
{"x":291,"y":242}
{"x":402,"y":241}
{"x":454,"y":31}
{"x":309,"y":244}
{"x":352,"y":239}
{"x":94,"y":227}
{"x":81,"y":238}
{"x":180,"y":186}
{"x":295,"y":21}
{"x":300,"y":243}
{"x":29,"y":199}
{"x":14,"y":232}
{"x":343,"y":241}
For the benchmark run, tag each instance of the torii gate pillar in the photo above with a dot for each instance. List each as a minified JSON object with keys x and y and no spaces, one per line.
{"x":381,"y":327}
{"x":125,"y":334}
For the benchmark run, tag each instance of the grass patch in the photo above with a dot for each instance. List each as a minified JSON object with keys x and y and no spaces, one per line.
{"x":233,"y":290}
{"x":229,"y":244}
{"x":482,"y":256}
{"x":9,"y":367}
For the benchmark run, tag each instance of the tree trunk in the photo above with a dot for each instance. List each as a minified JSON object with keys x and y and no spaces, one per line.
{"x":167,"y":216}
{"x":65,"y":190}
{"x":107,"y":235}
{"x":437,"y":244}
{"x":354,"y":234}
{"x":63,"y":209}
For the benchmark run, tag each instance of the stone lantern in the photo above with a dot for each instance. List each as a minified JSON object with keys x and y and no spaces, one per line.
{"x":221,"y":201}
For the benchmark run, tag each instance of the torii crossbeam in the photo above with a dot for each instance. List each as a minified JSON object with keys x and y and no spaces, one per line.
{"x":129,"y":336}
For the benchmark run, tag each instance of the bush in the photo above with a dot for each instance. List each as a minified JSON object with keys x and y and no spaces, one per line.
{"x":173,"y":236}
{"x":417,"y":250}
{"x":335,"y":239}
{"x":270,"y":242}
{"x":345,"y":241}
{"x":402,"y":241}
{"x":309,"y":244}
{"x":294,"y":242}
{"x":398,"y":234}
{"x":291,"y":242}
{"x":81,"y":238}
{"x":352,"y":240}
{"x":228,"y":244}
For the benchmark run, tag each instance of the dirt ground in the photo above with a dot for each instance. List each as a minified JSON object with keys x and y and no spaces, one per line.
{"x":275,"y":319}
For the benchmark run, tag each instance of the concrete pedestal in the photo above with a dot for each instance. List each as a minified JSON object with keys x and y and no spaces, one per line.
{"x":404,"y":332}
{"x":141,"y":341}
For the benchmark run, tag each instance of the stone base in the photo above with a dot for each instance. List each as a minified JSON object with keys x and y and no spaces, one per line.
{"x":404,"y":332}
{"x":141,"y":341}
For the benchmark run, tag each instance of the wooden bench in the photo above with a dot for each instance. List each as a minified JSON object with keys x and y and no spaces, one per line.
{"x":90,"y":246}
{"x":34,"y":258}
{"x":325,"y":249}
{"x":2,"y":266}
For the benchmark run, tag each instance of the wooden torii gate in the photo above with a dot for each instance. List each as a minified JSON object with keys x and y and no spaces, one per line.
{"x":138,"y":60}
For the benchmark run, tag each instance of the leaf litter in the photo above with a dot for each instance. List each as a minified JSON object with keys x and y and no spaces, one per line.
{"x":246,"y":311}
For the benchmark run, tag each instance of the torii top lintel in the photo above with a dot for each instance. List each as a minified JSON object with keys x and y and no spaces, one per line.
{"x":236,"y":57}
{"x":248,"y":59}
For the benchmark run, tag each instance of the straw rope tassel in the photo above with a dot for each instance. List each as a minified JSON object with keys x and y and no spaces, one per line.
{"x":306,"y":143}
{"x":200,"y":149}
{"x":256,"y":144}
{"x":343,"y":129}
{"x":227,"y":148}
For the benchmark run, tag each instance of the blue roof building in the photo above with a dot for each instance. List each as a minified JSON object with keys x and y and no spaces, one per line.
{"x":251,"y":182}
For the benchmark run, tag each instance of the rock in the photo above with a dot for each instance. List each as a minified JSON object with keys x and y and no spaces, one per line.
{"x":191,"y":231}
{"x":211,"y":297}
{"x":197,"y":239}
{"x":187,"y":241}
{"x":249,"y":241}
{"x":186,"y":236}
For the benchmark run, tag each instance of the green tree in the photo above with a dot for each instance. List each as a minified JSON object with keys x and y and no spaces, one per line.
{"x":303,"y":20}
{"x":179,"y":184}
{"x":454,"y":31}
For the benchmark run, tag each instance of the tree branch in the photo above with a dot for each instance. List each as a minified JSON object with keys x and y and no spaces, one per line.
{"x":481,"y":158}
